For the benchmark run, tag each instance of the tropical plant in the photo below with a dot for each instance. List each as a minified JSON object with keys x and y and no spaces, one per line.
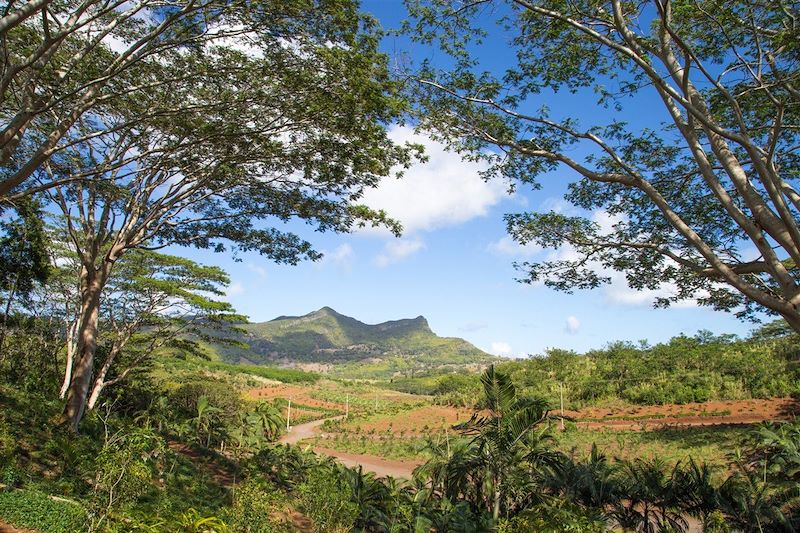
{"x":649,"y":503}
{"x":206,"y":421}
{"x":502,"y":442}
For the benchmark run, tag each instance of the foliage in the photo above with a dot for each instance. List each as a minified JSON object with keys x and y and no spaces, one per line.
{"x":255,"y":506}
{"x":683,"y":370}
{"x":36,"y":510}
{"x":122,"y":470}
{"x":679,"y":195}
{"x":326,"y":502}
{"x":24,"y":256}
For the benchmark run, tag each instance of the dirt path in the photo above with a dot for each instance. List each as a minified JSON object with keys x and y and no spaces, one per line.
{"x":8,"y":528}
{"x":379,"y":466}
{"x":371,"y":463}
{"x":304,"y":431}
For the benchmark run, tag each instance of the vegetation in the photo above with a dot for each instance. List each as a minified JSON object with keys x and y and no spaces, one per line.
{"x":682,"y":370}
{"x":351,"y":348}
{"x":130,"y":127}
{"x":190,"y":454}
{"x":134,"y":177}
{"x":699,"y":191}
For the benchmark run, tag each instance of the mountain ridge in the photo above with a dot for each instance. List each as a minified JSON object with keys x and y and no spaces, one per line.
{"x":326,"y":340}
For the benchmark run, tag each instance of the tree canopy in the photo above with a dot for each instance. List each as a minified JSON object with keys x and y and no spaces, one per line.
{"x":695,"y":162}
{"x":225,"y":122}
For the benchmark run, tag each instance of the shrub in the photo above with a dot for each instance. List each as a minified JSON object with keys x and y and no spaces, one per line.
{"x":255,"y":508}
{"x":220,"y":395}
{"x":558,"y":518}
{"x":326,"y":501}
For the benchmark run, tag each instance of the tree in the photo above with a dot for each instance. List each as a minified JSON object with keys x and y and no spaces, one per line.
{"x":156,"y":302}
{"x":23,"y":258}
{"x":695,"y":165}
{"x":66,"y":63}
{"x":504,"y":440}
{"x":295,"y":130}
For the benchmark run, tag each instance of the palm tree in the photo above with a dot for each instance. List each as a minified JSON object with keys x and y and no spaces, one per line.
{"x":649,"y":503}
{"x":591,"y":483}
{"x":371,"y":497}
{"x":502,"y":439}
{"x":699,"y":495}
{"x":205,"y":420}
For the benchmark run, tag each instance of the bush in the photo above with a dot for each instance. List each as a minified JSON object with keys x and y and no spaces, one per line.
{"x":220,"y":395}
{"x":35,"y":510}
{"x":554,"y":519}
{"x":325,"y":499}
{"x":255,"y":508}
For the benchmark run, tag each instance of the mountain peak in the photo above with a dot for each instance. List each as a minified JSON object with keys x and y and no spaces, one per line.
{"x":328,"y":337}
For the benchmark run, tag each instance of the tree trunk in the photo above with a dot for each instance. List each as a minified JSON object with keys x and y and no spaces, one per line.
{"x":92,"y":284}
{"x":496,"y":509}
{"x":71,"y":332}
{"x":100,"y":379}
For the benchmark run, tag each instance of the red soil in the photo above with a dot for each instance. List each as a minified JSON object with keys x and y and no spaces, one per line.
{"x":720,"y":412}
{"x":7,"y":528}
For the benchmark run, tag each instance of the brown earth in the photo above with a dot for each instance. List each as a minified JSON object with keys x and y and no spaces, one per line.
{"x":718,"y":412}
{"x":297,"y":394}
{"x":419,"y":421}
{"x":8,"y":528}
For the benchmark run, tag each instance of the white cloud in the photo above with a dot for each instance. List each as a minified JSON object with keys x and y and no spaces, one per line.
{"x":558,"y":205}
{"x":606,"y":220}
{"x":500,"y":348}
{"x":342,"y":257}
{"x":234,"y":289}
{"x":508,"y":246}
{"x":573,"y":325}
{"x":397,"y":250}
{"x":259,"y":270}
{"x":445,"y":191}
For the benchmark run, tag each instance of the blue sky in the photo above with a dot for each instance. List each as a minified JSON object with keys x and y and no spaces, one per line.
{"x":454,"y":262}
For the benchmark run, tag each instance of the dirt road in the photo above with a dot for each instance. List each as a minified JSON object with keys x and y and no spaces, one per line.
{"x":371,"y":463}
{"x":304,"y":431}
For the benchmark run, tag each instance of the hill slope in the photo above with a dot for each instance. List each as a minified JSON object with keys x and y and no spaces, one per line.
{"x":329,"y":341}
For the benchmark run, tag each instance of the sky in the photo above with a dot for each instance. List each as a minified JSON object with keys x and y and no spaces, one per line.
{"x":453,"y":264}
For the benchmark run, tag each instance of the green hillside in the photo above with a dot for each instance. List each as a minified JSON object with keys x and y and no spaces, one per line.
{"x":346,"y":346}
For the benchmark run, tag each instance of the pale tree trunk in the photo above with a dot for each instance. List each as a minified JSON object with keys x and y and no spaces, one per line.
{"x":71,"y":334}
{"x":100,"y":380}
{"x":92,"y":283}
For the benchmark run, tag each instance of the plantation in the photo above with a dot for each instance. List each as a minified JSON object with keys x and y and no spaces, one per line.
{"x":682,"y":371}
{"x":198,"y":454}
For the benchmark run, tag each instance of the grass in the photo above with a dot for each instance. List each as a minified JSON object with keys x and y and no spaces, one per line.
{"x":36,"y":510}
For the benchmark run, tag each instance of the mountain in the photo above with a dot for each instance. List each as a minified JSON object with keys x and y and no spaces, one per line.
{"x":326,"y":340}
